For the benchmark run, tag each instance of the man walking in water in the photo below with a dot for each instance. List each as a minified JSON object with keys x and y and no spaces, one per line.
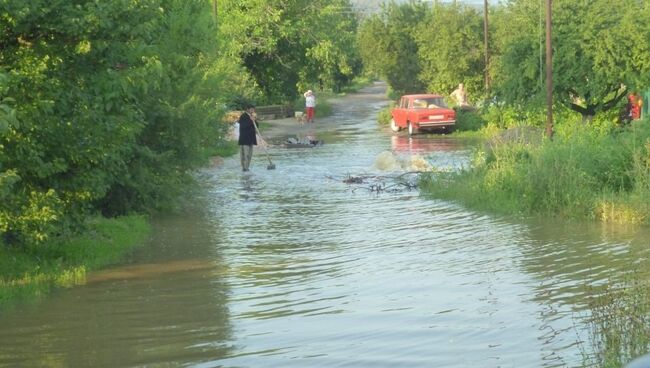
{"x":247,"y":136}
{"x":310,"y":105}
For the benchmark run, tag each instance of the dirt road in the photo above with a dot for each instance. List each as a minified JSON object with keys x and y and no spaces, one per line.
{"x":280,"y":129}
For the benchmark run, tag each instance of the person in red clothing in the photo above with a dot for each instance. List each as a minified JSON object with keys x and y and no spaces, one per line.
{"x":635,"y":103}
{"x":310,"y":105}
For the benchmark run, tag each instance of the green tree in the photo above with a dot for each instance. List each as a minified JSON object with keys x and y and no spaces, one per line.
{"x":389,"y":48}
{"x":600,"y":52}
{"x":286,"y":45}
{"x":450,"y":48}
{"x":116,"y":103}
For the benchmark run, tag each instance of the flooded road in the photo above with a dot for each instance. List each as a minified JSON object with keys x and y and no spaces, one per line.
{"x":295,"y":268}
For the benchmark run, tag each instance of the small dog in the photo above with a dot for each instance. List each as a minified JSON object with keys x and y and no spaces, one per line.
{"x":300,"y":117}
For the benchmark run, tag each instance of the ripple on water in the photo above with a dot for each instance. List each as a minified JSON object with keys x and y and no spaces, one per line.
{"x":304,"y":270}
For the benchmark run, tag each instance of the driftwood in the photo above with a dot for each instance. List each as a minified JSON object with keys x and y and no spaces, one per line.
{"x":377,"y":183}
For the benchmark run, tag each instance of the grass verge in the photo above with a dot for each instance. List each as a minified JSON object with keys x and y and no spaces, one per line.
{"x":582,"y":173}
{"x":30,"y":272}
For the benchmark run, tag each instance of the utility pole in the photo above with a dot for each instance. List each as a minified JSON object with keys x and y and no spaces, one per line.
{"x":549,"y":71}
{"x":487,"y":51}
{"x":214,"y":10}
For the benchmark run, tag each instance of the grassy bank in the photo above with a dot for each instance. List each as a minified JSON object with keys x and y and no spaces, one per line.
{"x":581,"y":173}
{"x":30,"y":272}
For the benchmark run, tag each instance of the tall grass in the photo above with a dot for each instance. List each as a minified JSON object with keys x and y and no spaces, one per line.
{"x":29,"y":272}
{"x":581,"y":173}
{"x":618,"y":328}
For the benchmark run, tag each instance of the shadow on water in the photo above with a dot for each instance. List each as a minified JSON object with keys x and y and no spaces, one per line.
{"x":170,"y":311}
{"x":575,"y":260}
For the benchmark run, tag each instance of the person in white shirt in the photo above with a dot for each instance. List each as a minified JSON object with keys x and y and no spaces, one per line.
{"x":460,"y":95}
{"x":310,"y":105}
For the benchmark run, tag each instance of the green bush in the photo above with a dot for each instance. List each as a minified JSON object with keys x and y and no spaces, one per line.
{"x":384,"y":116}
{"x":575,"y":175}
{"x":104,"y":107}
{"x":469,"y":121}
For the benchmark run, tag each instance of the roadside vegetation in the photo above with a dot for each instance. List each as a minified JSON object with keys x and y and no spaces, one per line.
{"x":107,"y":108}
{"x":31,"y":271}
{"x":619,"y":325}
{"x":578,"y":174}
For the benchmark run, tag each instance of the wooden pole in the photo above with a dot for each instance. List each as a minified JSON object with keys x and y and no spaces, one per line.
{"x":487,"y":50}
{"x":214,"y":10}
{"x":549,"y":71}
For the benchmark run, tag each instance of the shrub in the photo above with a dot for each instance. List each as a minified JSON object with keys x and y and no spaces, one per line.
{"x":469,"y":121}
{"x":384,"y":116}
{"x":581,"y":173}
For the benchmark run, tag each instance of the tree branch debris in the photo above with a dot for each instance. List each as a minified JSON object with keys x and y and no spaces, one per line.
{"x":377,"y":183}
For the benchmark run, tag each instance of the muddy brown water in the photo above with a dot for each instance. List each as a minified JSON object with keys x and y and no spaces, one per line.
{"x":294,"y":268}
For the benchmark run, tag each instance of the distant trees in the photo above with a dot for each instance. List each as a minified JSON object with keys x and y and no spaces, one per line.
{"x":389,"y":48}
{"x":601,"y":50}
{"x":450,"y":47}
{"x":419,"y":47}
{"x":290,"y":45}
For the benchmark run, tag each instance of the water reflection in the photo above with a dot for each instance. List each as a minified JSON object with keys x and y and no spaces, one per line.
{"x":574,"y":260}
{"x":425,"y":144}
{"x":167,"y":313}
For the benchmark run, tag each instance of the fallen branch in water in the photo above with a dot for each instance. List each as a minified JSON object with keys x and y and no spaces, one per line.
{"x":379,"y":188}
{"x":349,"y":179}
{"x":378,"y":184}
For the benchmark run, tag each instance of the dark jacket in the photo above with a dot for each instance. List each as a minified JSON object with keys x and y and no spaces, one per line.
{"x":246,"y":130}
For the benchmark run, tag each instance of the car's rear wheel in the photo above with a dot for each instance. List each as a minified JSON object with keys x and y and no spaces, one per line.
{"x":412,"y":130}
{"x":393,"y":125}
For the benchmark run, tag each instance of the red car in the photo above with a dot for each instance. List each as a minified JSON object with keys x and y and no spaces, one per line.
{"x":423,"y":111}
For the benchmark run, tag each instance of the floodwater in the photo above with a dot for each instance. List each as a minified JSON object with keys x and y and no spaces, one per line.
{"x":293,"y":267}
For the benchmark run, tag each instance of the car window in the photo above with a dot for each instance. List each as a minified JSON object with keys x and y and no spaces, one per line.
{"x":420,"y":103}
{"x":404,"y":103}
{"x":434,"y":103}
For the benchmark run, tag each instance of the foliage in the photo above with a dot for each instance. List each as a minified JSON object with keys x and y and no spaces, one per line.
{"x":226,"y":148}
{"x":388,"y":46}
{"x":290,"y":46}
{"x":454,"y":53}
{"x":600,"y":52}
{"x":469,"y":120}
{"x":106,"y":106}
{"x":573,"y":175}
{"x":384,"y":116}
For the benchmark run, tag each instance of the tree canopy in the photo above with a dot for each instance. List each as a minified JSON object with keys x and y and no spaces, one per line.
{"x":600,"y":51}
{"x":288,"y":46}
{"x":107,"y":107}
